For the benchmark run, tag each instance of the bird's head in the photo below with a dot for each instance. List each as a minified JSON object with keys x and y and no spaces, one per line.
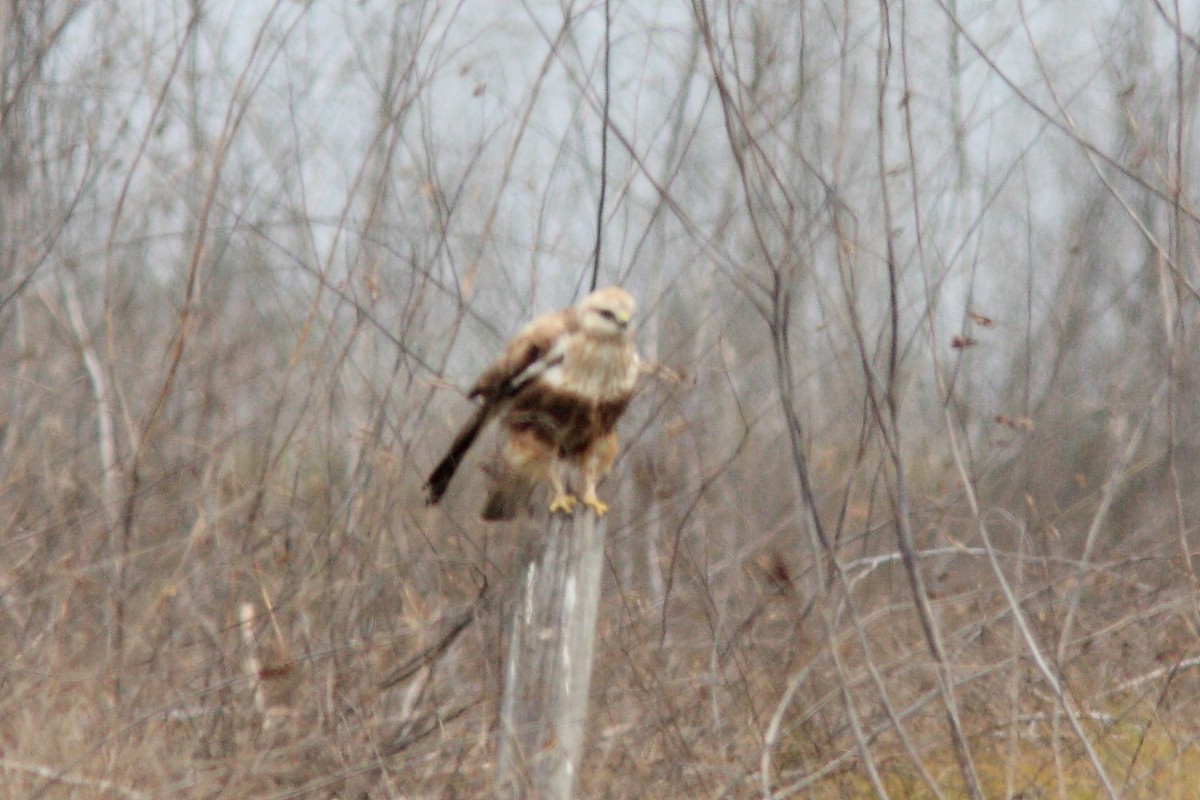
{"x":607,"y":312}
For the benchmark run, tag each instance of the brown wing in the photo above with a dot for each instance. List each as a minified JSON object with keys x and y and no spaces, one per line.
{"x":519,"y":360}
{"x":518,"y":363}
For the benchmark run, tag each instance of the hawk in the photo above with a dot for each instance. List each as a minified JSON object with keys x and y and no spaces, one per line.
{"x":559,"y":388}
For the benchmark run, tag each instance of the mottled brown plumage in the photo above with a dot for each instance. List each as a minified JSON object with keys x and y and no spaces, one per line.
{"x":559,"y":388}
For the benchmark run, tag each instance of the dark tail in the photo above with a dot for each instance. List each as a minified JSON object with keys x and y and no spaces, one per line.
{"x":439,"y":479}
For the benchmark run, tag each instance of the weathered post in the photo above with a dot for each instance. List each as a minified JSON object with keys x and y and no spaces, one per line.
{"x":548,"y":667}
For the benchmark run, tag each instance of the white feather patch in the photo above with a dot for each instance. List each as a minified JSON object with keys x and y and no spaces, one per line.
{"x":539,"y":367}
{"x":601,"y":370}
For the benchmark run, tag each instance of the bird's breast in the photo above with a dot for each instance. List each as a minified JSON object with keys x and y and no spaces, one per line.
{"x":577,"y":400}
{"x":598,"y":371}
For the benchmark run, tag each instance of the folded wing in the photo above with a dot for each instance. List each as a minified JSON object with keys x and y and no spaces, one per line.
{"x":535,"y":348}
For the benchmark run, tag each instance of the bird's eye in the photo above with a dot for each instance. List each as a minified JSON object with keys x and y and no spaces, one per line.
{"x":604,"y":312}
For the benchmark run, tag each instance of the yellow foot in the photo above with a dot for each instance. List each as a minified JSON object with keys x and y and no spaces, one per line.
{"x":595,"y":504}
{"x":564,"y":503}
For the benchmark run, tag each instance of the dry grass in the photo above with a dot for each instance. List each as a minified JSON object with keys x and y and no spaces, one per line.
{"x":297,"y":657}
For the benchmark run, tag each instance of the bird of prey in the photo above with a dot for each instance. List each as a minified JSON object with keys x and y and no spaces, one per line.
{"x":558,"y":389}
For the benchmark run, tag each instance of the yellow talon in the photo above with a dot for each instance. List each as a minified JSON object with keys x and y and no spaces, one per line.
{"x":564,"y":503}
{"x":595,"y":504}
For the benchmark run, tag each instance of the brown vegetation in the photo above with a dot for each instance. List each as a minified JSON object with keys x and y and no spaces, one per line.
{"x":908,"y":512}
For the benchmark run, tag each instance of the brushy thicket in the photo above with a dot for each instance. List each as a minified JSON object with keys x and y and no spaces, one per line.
{"x":908,"y":511}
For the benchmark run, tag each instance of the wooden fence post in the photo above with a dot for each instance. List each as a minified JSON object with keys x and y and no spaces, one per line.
{"x":548,"y":667}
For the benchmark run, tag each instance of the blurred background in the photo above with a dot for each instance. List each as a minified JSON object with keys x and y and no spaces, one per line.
{"x":908,"y":512}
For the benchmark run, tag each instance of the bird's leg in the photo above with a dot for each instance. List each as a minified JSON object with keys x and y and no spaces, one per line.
{"x":563,"y":501}
{"x":597,"y":462}
{"x":591,"y":500}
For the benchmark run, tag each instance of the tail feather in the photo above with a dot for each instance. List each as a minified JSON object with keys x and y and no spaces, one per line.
{"x":439,"y":479}
{"x":507,"y":498}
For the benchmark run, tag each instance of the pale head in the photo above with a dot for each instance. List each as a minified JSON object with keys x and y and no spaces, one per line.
{"x":606,"y":312}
